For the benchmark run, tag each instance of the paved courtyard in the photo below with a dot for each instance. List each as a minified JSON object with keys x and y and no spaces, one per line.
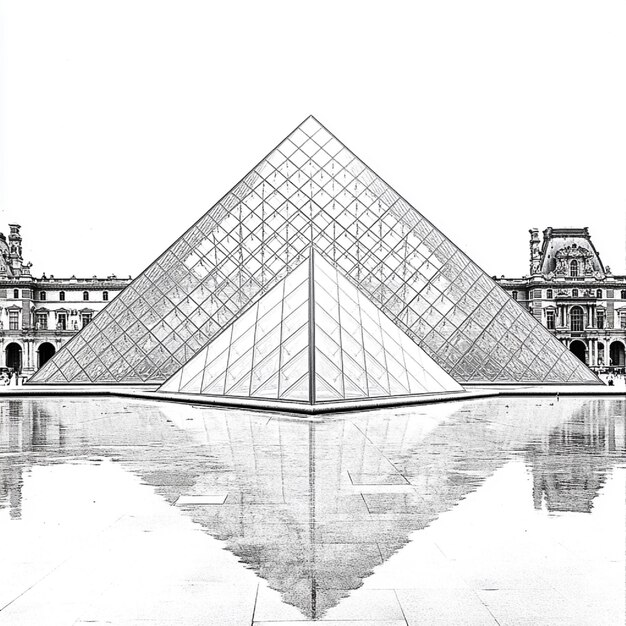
{"x":135,"y":512}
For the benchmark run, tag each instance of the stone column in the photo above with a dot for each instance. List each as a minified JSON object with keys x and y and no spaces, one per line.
{"x":26,"y":356}
{"x":593,"y":353}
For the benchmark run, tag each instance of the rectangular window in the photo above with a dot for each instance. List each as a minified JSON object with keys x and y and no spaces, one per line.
{"x":14,"y":320}
{"x":61,"y":321}
{"x":550,"y":319}
{"x":537,"y":293}
{"x":623,"y":320}
{"x":600,"y":320}
{"x":85,"y":318}
{"x":42,"y":321}
{"x":577,"y":319}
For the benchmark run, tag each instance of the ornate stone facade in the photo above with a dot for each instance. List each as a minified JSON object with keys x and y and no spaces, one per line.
{"x":39,"y":315}
{"x":573,"y":294}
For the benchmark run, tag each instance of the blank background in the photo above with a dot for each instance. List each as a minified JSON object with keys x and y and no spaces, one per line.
{"x":123,"y":121}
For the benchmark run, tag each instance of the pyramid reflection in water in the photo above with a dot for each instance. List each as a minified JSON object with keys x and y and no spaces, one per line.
{"x":312,"y":338}
{"x":312,"y":190}
{"x":301,"y":511}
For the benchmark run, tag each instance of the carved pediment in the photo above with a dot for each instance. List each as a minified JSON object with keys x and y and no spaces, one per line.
{"x":573,"y":252}
{"x":566,"y":255}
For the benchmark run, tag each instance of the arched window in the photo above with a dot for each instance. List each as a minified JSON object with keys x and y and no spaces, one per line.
{"x":549,"y":294}
{"x":573,"y":268}
{"x":514,"y":295}
{"x":576,"y":319}
{"x":598,"y":293}
{"x":61,"y":296}
{"x":574,"y":293}
{"x":85,"y":295}
{"x":16,"y":293}
{"x":105,"y":295}
{"x":42,"y":295}
{"x":623,"y":294}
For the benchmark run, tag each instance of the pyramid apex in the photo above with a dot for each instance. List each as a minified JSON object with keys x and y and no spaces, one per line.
{"x":310,"y":125}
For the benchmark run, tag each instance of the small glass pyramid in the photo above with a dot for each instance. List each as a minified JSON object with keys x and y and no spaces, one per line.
{"x":311,"y":190}
{"x":312,"y":338}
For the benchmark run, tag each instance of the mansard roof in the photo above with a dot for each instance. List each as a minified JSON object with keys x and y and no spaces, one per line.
{"x":568,"y":244}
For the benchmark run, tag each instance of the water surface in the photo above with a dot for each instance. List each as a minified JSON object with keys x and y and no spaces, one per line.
{"x":491,"y":511}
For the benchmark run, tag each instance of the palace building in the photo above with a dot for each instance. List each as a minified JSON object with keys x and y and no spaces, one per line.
{"x":39,"y":315}
{"x":575,"y":296}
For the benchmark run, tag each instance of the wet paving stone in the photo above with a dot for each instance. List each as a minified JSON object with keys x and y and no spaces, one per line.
{"x":495,"y":511}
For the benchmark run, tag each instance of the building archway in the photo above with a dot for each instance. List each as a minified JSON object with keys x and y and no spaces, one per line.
{"x":601,"y":355}
{"x":617,"y":354}
{"x":579,"y":349}
{"x":45,"y":352}
{"x":13,"y":354}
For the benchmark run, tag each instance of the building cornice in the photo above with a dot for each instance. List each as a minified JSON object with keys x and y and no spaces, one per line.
{"x":61,"y":285}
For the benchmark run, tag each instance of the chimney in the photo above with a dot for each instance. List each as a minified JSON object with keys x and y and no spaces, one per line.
{"x":15,"y":246}
{"x":534,"y":251}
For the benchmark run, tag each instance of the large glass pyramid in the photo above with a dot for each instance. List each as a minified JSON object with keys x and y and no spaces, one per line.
{"x":312,"y":338}
{"x":312,"y":189}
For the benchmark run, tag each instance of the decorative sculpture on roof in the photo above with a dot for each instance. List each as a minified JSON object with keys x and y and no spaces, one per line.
{"x":567,"y":254}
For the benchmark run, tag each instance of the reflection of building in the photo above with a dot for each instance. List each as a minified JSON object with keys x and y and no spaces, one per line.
{"x":39,"y":315}
{"x":573,"y":294}
{"x":571,"y":464}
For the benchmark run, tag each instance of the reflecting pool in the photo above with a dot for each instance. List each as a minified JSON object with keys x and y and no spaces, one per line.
{"x":498,"y":511}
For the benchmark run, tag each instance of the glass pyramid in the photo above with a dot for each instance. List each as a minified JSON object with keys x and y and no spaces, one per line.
{"x":312,"y":189}
{"x":312,"y":338}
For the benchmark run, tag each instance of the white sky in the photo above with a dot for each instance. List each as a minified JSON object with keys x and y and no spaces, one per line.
{"x":122,"y":122}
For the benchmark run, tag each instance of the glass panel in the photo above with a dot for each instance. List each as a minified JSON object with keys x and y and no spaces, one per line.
{"x":299,"y":391}
{"x":269,"y":389}
{"x":216,"y":386}
{"x":293,"y":370}
{"x":265,"y":343}
{"x":215,"y":370}
{"x":326,"y":370}
{"x":264,"y":370}
{"x":238,"y":370}
{"x":324,"y":391}
{"x":294,"y":344}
